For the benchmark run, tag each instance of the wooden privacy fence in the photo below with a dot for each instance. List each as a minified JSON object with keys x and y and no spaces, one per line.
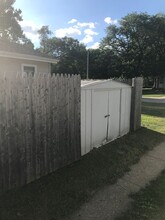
{"x":39,"y":126}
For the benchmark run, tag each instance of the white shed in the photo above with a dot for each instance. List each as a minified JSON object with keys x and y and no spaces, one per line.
{"x":105,"y":112}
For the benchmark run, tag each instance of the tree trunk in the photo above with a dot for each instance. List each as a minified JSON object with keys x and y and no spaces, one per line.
{"x":156,"y":83}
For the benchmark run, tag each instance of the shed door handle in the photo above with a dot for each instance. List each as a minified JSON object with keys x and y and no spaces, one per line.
{"x":106,"y":116}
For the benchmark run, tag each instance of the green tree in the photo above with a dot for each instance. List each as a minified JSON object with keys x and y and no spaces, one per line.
{"x":10,"y":28}
{"x":103,"y":64}
{"x":44,"y":34}
{"x":27,"y":42}
{"x":71,"y":54}
{"x":139,"y":44}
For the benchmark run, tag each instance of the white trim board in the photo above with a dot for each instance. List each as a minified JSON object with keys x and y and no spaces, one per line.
{"x":27,"y":57}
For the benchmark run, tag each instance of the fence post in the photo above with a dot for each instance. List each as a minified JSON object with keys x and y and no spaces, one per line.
{"x":136,"y":96}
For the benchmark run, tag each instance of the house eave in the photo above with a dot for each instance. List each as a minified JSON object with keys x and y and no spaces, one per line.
{"x":27,"y":57}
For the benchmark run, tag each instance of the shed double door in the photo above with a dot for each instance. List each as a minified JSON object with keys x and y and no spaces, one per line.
{"x":105,"y":116}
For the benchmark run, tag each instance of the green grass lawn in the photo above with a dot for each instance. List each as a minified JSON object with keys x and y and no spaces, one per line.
{"x":149,"y":203}
{"x":153,"y":122}
{"x":154,"y":95}
{"x":61,"y":193}
{"x":153,"y":116}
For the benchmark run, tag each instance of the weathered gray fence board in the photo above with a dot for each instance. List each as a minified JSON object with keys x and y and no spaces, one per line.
{"x":39,"y":126}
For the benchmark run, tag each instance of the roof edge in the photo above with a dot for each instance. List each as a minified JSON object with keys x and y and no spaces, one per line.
{"x":96,"y":82}
{"x":27,"y":57}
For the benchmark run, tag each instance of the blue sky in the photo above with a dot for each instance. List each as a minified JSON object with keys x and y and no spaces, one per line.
{"x":85,"y":20}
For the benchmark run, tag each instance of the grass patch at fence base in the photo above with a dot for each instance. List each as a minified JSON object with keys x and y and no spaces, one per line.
{"x":153,"y":116}
{"x":59,"y":194}
{"x":149,"y":203}
{"x":154,"y":123}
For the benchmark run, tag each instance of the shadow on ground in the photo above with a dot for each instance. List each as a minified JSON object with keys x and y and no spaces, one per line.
{"x":61,"y":193}
{"x":153,"y":109}
{"x":149,"y":202}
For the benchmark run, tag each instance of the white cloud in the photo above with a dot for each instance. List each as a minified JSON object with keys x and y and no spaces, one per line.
{"x":84,"y":29}
{"x":62,"y":32}
{"x":86,"y":24}
{"x":30,"y":26}
{"x":75,"y":26}
{"x":33,"y":37}
{"x":90,"y":32}
{"x":87,"y":39}
{"x":73,"y":20}
{"x":30,"y":30}
{"x":95,"y":45}
{"x":109,"y":20}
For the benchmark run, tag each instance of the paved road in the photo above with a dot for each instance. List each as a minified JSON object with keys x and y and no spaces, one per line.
{"x":153,"y":100}
{"x":111,"y":201}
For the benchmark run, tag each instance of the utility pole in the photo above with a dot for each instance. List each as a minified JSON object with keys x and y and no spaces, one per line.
{"x":87,"y":77}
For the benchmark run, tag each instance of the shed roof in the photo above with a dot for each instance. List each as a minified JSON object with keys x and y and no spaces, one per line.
{"x":91,"y":82}
{"x":96,"y":84}
{"x":15,"y":50}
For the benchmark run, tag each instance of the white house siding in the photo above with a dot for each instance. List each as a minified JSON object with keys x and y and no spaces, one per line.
{"x":99,"y":100}
{"x":12,"y":66}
